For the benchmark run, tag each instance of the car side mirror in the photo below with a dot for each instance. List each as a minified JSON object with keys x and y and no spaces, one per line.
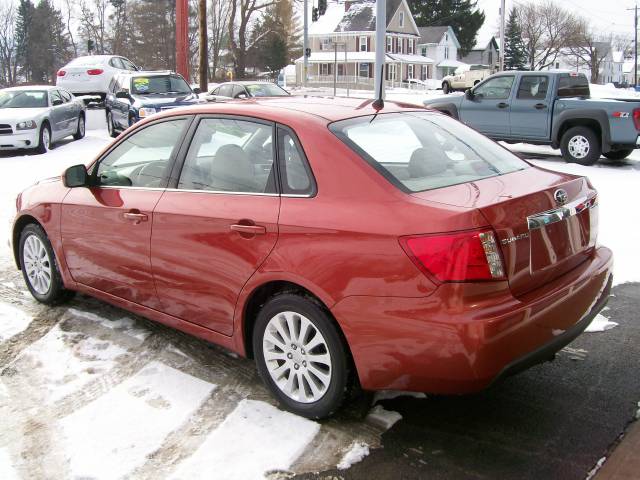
{"x":123,"y":94}
{"x":197,"y":90}
{"x":469,"y":94}
{"x":76,"y":176}
{"x":57,"y":102}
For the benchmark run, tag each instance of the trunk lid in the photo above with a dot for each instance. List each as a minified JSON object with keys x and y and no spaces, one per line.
{"x":542,"y":234}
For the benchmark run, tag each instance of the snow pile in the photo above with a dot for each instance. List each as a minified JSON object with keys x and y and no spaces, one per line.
{"x":255,"y":438}
{"x":383,"y":418}
{"x":12,"y":321}
{"x":111,"y":436}
{"x":355,"y":454}
{"x":610,"y":91}
{"x":7,"y":472}
{"x":600,"y":324}
{"x":125,"y":324}
{"x":595,"y":469}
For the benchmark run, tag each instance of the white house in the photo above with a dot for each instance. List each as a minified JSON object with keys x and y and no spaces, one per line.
{"x":350,"y":26}
{"x":611,"y":67}
{"x":484,"y":52}
{"x":441,"y":45}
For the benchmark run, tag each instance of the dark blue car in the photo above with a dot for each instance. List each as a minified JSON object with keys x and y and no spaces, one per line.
{"x":136,"y":95}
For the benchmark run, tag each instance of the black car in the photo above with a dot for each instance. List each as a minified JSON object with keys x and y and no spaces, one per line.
{"x":238,"y":90}
{"x":136,"y":95}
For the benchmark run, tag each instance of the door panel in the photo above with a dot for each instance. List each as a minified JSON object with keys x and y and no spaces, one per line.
{"x":488,"y":111}
{"x":531,"y":109}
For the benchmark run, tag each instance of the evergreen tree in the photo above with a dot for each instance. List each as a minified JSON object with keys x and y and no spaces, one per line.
{"x":515,"y":51}
{"x":153,"y":45}
{"x":24,"y":23}
{"x":462,"y":15}
{"x":50,"y":47}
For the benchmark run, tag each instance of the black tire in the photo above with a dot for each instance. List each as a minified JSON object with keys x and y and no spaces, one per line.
{"x":339,"y":381}
{"x":80,"y":131}
{"x":446,"y":88}
{"x":586,"y":148}
{"x":618,"y":154}
{"x":43,"y":145}
{"x":56,"y":293}
{"x":110,"y":126}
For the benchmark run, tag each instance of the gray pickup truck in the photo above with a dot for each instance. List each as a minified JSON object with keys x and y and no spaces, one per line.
{"x":548,"y":108}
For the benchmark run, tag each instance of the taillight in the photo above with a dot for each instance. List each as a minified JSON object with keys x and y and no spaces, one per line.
{"x":95,"y":71}
{"x":457,"y":257}
{"x":61,"y":73}
{"x":636,"y":118}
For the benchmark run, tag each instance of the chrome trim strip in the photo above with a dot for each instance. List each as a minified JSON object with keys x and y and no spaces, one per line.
{"x":540,"y":220}
{"x":215,"y":192}
{"x":116,"y":187}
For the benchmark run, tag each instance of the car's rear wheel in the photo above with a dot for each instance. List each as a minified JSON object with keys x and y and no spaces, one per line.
{"x":110,"y":127}
{"x":580,"y":145}
{"x":618,"y":154}
{"x":39,"y":266}
{"x":81,"y":130}
{"x":44,"y":142}
{"x":446,"y":88}
{"x":301,"y":356}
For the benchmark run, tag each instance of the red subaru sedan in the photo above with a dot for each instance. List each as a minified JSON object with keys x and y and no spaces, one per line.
{"x":332,"y":242}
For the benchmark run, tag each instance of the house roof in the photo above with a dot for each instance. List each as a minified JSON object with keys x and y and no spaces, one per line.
{"x":431,"y":34}
{"x":359,"y":17}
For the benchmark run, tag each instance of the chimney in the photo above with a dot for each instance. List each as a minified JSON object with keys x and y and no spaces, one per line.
{"x":347,"y":6}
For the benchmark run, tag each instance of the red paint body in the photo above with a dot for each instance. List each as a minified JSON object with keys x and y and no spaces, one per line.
{"x":184,"y":267}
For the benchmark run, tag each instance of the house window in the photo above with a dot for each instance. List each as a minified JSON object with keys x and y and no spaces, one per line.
{"x":325,"y":44}
{"x":411,"y":47}
{"x":324,"y":69}
{"x":557,"y":65}
{"x":423,"y":72}
{"x":341,"y":69}
{"x":401,"y":19}
{"x":363,"y":44}
{"x":389,"y":44}
{"x":392,"y":71}
{"x":424,"y":51}
{"x":490,"y":58}
{"x":446,"y":53}
{"x":363,"y":70}
{"x":410,"y":71}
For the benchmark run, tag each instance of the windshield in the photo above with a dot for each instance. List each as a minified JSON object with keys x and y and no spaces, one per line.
{"x":266,"y":90}
{"x":23,"y":99}
{"x":159,"y":84}
{"x":420,"y":151}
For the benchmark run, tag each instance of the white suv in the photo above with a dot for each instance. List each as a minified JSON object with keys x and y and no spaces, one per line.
{"x":91,"y":75}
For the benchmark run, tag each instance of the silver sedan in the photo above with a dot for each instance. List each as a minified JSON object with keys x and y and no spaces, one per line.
{"x":34,"y":117}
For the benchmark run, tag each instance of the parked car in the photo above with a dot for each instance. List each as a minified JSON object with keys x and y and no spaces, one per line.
{"x":35,"y":117}
{"x":548,"y":108}
{"x":464,"y":79}
{"x":133,"y":96}
{"x":241,"y":90}
{"x":415,"y":83}
{"x":250,"y":224}
{"x":90,"y":75}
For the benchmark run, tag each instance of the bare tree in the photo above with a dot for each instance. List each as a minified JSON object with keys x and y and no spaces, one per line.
{"x":589,"y":49}
{"x":241,"y":12}
{"x":546,"y":30}
{"x":218,"y":21}
{"x":8,"y":46}
{"x":69,"y":7}
{"x":93,"y":21}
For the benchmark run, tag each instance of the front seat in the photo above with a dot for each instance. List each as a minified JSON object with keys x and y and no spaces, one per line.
{"x":232,"y":171}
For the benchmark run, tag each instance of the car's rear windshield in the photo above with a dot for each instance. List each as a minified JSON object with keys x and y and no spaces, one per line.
{"x":159,"y":84}
{"x":266,"y":90}
{"x":23,"y":99}
{"x":419,"y":151}
{"x":573,"y":85}
{"x":87,"y":61}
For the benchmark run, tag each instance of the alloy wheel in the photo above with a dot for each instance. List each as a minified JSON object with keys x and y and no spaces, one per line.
{"x":297,"y":357}
{"x":81,"y":126}
{"x":46,"y":138}
{"x":37,"y":264}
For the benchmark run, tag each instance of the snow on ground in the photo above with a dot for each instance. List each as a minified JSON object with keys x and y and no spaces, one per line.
{"x":600,"y":324}
{"x":12,"y":321}
{"x":255,"y":438}
{"x":355,"y":454}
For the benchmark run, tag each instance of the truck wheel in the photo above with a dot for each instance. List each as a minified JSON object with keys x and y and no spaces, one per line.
{"x":580,"y":145}
{"x":618,"y":154}
{"x":445,"y":88}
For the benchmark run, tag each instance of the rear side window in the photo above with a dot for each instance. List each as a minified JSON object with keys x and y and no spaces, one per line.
{"x":295,"y":172}
{"x":419,"y":151}
{"x":533,"y":87}
{"x":116,"y":63}
{"x":225,"y":90}
{"x":573,"y":86}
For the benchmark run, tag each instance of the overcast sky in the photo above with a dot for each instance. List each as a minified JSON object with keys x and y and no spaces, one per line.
{"x":608,"y":16}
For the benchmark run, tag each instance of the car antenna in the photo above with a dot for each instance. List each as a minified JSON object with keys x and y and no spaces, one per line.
{"x":379,"y":103}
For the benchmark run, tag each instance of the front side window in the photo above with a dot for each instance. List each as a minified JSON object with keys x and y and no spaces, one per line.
{"x":56,"y":98}
{"x":66,"y":96}
{"x":497,"y":88}
{"x":420,"y":151}
{"x":533,"y":87}
{"x":228,"y":155}
{"x":141,"y":160}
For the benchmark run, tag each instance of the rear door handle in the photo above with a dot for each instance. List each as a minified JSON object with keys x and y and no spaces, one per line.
{"x":503,"y":105}
{"x":539,"y":106}
{"x":135,"y":217}
{"x":249,"y":229}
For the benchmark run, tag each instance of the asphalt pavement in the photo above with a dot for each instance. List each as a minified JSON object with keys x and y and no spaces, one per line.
{"x":554,"y":421}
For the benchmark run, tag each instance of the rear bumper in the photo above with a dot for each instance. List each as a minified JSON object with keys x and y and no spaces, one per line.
{"x":465,"y":337}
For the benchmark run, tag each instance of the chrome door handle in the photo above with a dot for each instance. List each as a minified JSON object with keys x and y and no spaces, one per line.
{"x":249,"y":229}
{"x":136,"y":218}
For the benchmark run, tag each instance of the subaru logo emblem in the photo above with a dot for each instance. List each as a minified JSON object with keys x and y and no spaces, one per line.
{"x":561,"y":196}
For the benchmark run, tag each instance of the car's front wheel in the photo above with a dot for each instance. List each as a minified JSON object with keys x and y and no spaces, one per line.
{"x":39,"y":266}
{"x":446,"y":88}
{"x":44,"y":141}
{"x":618,"y":154}
{"x":301,"y":356}
{"x":80,"y":131}
{"x":580,"y":145}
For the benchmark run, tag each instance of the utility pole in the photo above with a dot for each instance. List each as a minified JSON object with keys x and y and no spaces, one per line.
{"x":204,"y":45}
{"x":305,"y":42}
{"x":635,"y":46}
{"x":502,"y":43}
{"x":381,"y":32}
{"x":182,"y":37}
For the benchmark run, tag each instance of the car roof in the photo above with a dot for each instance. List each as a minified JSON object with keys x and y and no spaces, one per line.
{"x":34,"y":87}
{"x":247,"y":82}
{"x":329,"y":109}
